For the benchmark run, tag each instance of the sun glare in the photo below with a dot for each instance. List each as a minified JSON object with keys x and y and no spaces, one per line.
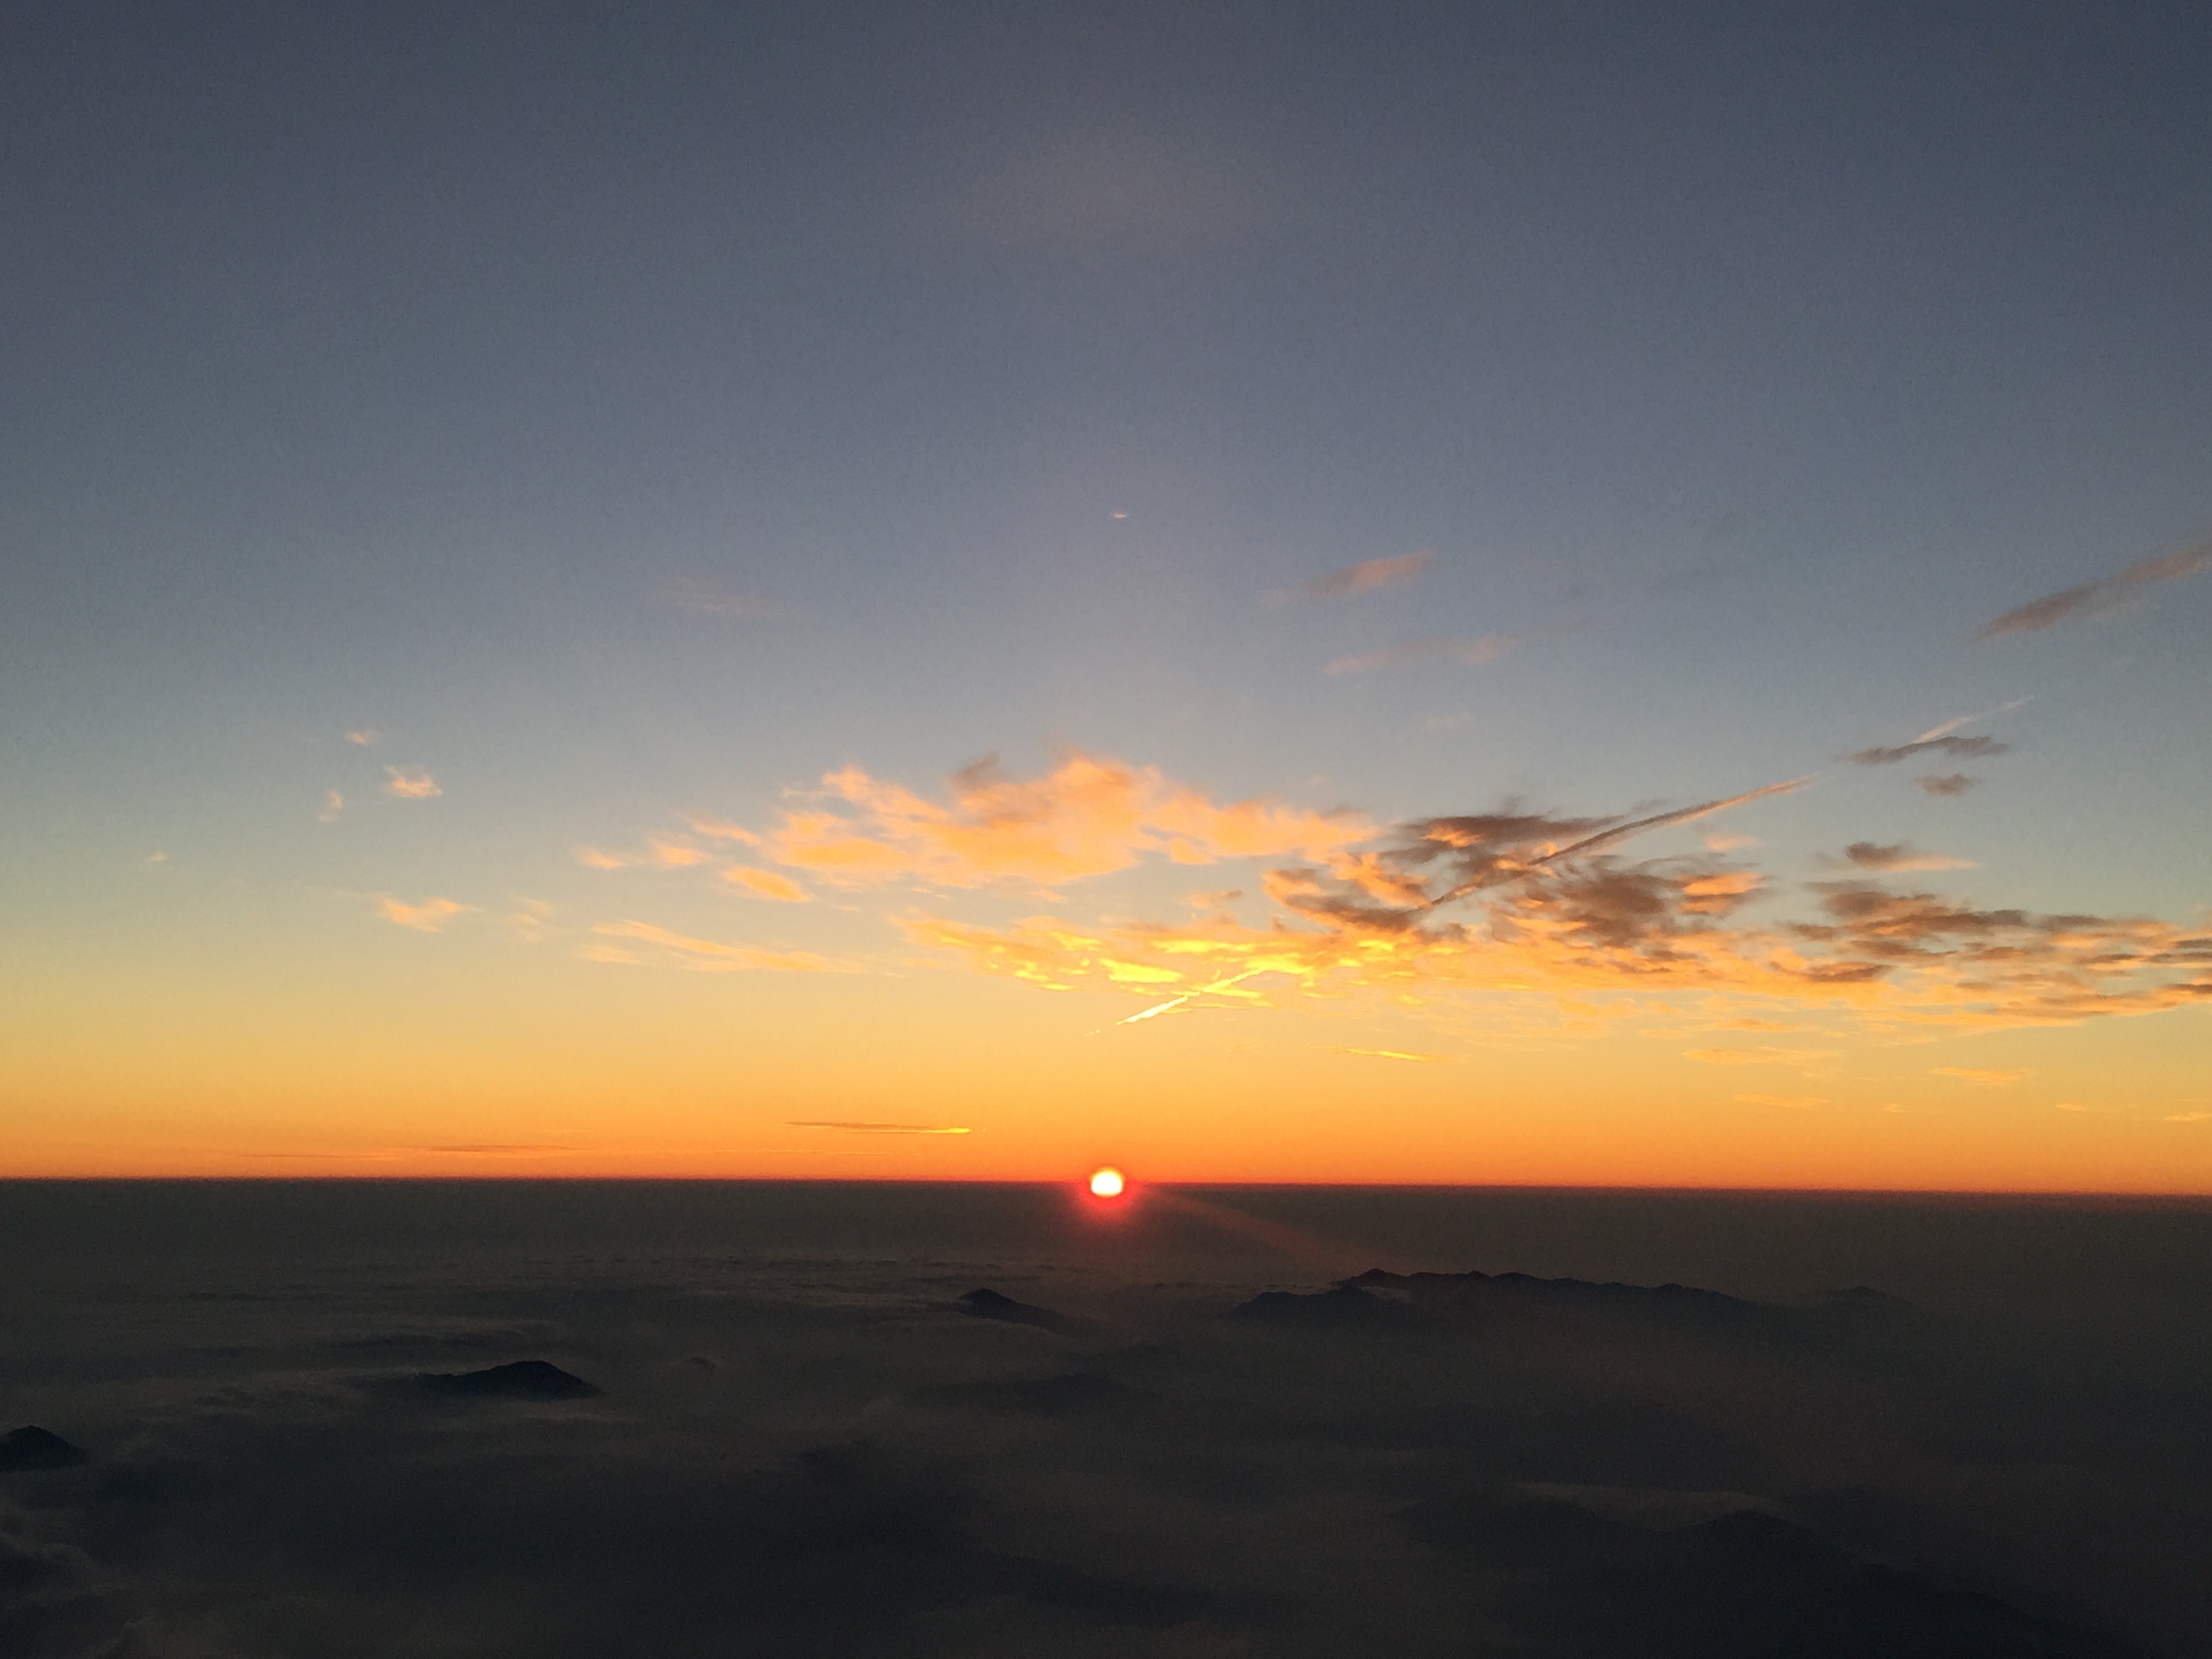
{"x":1107,"y":1183}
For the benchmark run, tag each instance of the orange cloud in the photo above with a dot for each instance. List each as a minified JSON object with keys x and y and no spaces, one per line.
{"x":707,"y":955}
{"x":1987,"y":1079}
{"x":1088,"y":817}
{"x":765,"y":883}
{"x":430,"y":916}
{"x":1509,"y":904}
{"x":410,"y":786}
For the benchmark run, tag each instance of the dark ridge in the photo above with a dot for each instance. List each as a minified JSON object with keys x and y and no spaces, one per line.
{"x":1346,"y":1307}
{"x":988,"y":1303}
{"x":34,"y":1448}
{"x":1471,"y":1286}
{"x":524,"y":1379}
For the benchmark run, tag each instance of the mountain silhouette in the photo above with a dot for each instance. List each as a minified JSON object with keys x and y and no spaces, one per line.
{"x":34,"y":1448}
{"x":524,"y":1379}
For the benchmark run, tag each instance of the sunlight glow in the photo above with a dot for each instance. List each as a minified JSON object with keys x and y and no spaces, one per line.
{"x":1106,"y":1183}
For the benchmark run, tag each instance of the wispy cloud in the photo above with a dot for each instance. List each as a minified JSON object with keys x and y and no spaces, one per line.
{"x":2092,"y":598}
{"x":1976,"y":748}
{"x":764,"y":884}
{"x":500,"y":1149}
{"x":707,"y":955}
{"x":2189,"y":1117}
{"x":531,"y":920}
{"x":1513,"y":903}
{"x":333,"y":805}
{"x":1980,"y":1077}
{"x":853,"y":1128}
{"x":364,"y":736}
{"x":1489,"y":648}
{"x":1764,"y":1055}
{"x":402,"y":785}
{"x":1390,"y":1053}
{"x":660,"y":853}
{"x":1088,"y":817}
{"x":430,"y":916}
{"x":1942,"y":740}
{"x":1794,"y":1102}
{"x":704,"y":596}
{"x":1356,"y":578}
{"x":1896,"y":859}
{"x":1947,"y":783}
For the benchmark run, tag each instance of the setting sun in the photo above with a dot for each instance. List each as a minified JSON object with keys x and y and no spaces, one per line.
{"x":1106,"y":1183}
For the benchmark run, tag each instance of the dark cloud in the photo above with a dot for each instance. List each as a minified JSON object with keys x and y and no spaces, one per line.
{"x":1963,"y":748}
{"x":1947,"y":783}
{"x":2098,"y":596}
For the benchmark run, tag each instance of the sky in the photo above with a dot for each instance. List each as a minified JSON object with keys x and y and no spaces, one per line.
{"x":1568,"y":594}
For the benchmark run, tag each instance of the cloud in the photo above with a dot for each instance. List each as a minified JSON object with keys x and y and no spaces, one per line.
{"x":858,"y":1128}
{"x":1897,"y":858}
{"x":430,"y":916}
{"x":2099,"y":597}
{"x":1947,"y":783}
{"x":1488,"y":648}
{"x":333,"y":805}
{"x":715,"y":828}
{"x":364,"y":737}
{"x":1765,"y":1055}
{"x":1511,"y":903}
{"x":1964,"y":748}
{"x":704,"y":596}
{"x":410,"y":786}
{"x":707,"y":955}
{"x":1088,"y":817}
{"x":1390,"y":1053}
{"x":2188,"y":1117}
{"x":531,"y":920}
{"x":661,"y":854}
{"x":765,"y":883}
{"x":500,"y":1149}
{"x":1980,"y":1077}
{"x":1795,"y":1103}
{"x":1362,"y":578}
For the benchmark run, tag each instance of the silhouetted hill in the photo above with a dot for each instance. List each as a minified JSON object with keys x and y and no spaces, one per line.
{"x":524,"y":1379}
{"x":988,"y":1303}
{"x":34,"y":1448}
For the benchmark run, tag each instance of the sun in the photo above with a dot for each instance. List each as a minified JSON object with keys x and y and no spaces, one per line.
{"x":1107,"y":1183}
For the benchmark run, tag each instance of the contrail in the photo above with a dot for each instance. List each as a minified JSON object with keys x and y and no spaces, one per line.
{"x":1177,"y":1002}
{"x":1606,"y":838}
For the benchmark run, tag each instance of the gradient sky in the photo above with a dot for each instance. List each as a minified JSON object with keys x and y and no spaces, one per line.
{"x":738,"y":589}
